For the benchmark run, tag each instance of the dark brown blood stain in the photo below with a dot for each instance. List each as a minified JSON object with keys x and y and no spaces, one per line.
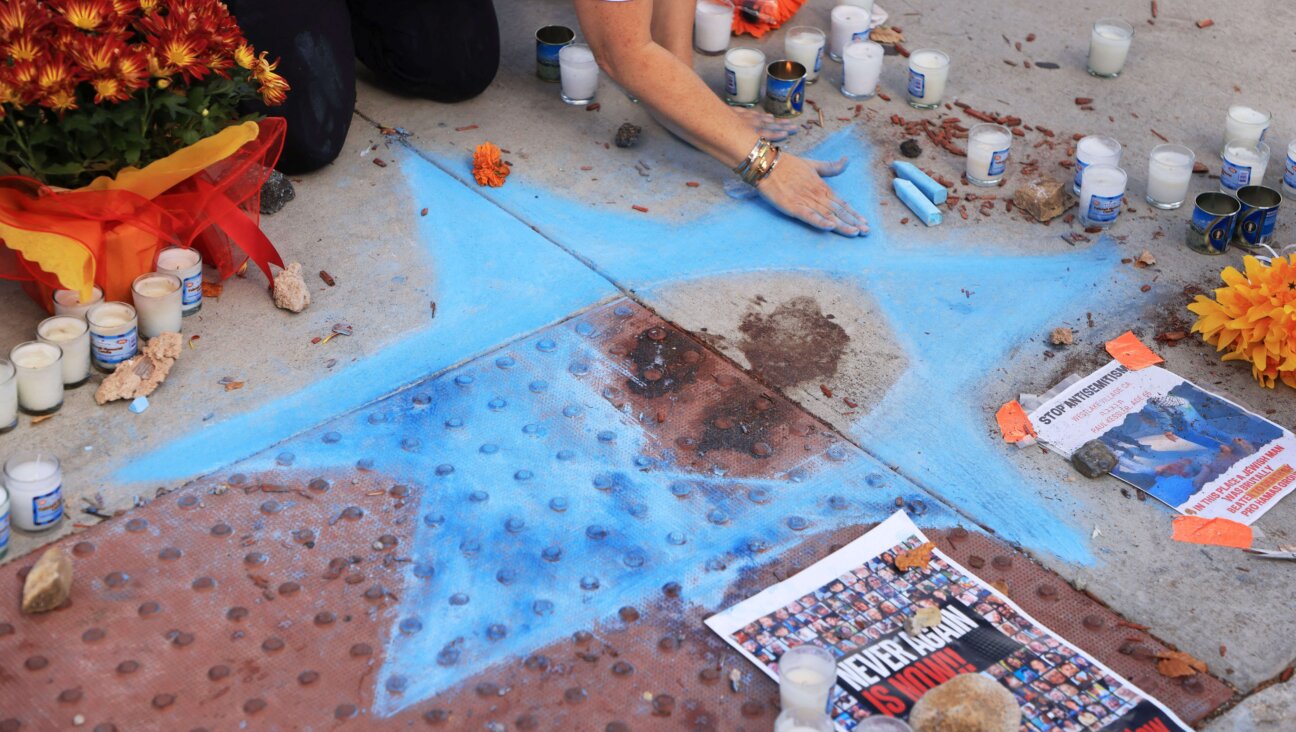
{"x":793,"y":344}
{"x":664,"y":360}
{"x":749,"y":425}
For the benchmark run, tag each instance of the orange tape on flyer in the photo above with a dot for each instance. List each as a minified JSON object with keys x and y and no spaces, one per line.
{"x":1212,"y":531}
{"x":1131,"y":352}
{"x":1013,"y":422}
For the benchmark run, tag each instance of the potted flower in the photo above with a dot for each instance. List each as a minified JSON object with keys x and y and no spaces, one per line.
{"x":120,"y":133}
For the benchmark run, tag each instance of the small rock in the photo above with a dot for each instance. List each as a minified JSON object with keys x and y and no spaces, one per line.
{"x":1062,"y":337}
{"x":290,"y":291}
{"x":1093,"y":459}
{"x":48,"y":583}
{"x":1043,"y":198}
{"x":276,"y":192}
{"x":627,"y":135}
{"x":140,"y":376}
{"x":910,"y":149}
{"x":967,"y":703}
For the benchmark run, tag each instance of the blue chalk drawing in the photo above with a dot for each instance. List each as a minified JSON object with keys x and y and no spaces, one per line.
{"x":544,"y":508}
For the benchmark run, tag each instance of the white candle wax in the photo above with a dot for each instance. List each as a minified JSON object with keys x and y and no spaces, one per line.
{"x":1094,"y":150}
{"x":72,"y":334}
{"x":1245,"y":124}
{"x":159,"y":303}
{"x":861,"y":68}
{"x":987,"y":153}
{"x":187,"y":265}
{"x":35,"y":486}
{"x":928,"y":70}
{"x":806,"y":676}
{"x":1169,"y":171}
{"x":114,"y":336}
{"x":40,"y":376}
{"x":1244,"y":165}
{"x":805,"y":45}
{"x":578,"y":72}
{"x":8,"y":396}
{"x":744,"y":69}
{"x":867,"y":5}
{"x":791,"y":721}
{"x":1289,"y":171}
{"x":848,"y":23}
{"x":1109,"y":44}
{"x":1102,"y":192}
{"x":712,"y":26}
{"x":68,"y":302}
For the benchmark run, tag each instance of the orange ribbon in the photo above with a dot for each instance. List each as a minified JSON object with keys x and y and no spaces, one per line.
{"x":206,"y":195}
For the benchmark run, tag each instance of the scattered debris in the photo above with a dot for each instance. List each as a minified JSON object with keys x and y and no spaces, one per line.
{"x":1047,"y":65}
{"x":290,"y":290}
{"x":917,"y":558}
{"x":967,"y":702}
{"x":627,"y":135}
{"x":910,"y":149}
{"x":1013,"y":423}
{"x":1177,"y":664}
{"x":1200,"y":169}
{"x":1160,"y":136}
{"x":886,"y":35}
{"x":231,"y":384}
{"x":1205,"y":23}
{"x":212,"y":290}
{"x":1145,"y":260}
{"x":488,"y":169}
{"x":593,"y":107}
{"x":49,"y":582}
{"x":1044,"y":198}
{"x":692,"y":183}
{"x":1093,"y":459}
{"x":380,"y":162}
{"x":423,"y":212}
{"x":141,"y":375}
{"x":640,"y":209}
{"x":1062,"y":337}
{"x":1083,"y":101}
{"x":276,"y":192}
{"x":328,"y":278}
{"x":139,"y":404}
{"x":465,"y":128}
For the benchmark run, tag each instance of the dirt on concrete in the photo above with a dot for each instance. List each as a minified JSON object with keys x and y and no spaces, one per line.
{"x":795,"y":343}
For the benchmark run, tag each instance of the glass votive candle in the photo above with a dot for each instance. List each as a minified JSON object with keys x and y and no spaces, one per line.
{"x":1109,"y":45}
{"x":187,"y":264}
{"x":8,"y":396}
{"x":158,"y":300}
{"x":1094,"y":150}
{"x":72,"y":334}
{"x":1246,"y":124}
{"x":114,"y":335}
{"x":928,"y":70}
{"x":867,"y":5}
{"x":790,"y":721}
{"x":1244,"y":165}
{"x":579,"y":72}
{"x":712,"y":26}
{"x":1102,"y":193}
{"x":861,"y":69}
{"x":40,"y":376}
{"x":1289,"y":172}
{"x":549,"y":41}
{"x":35,"y":484}
{"x":806,"y":675}
{"x":848,"y":22}
{"x":988,"y":148}
{"x":878,"y":723}
{"x":744,"y":69}
{"x":1169,"y":171}
{"x":68,"y":302}
{"x":805,"y":45}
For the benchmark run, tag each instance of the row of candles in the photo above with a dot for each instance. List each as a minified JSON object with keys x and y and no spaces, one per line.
{"x":96,"y":333}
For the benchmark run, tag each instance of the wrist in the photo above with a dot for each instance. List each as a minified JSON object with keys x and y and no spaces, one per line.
{"x":758,"y":163}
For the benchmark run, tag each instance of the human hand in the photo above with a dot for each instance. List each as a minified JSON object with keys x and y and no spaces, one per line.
{"x":796,"y":187}
{"x":767,"y":125}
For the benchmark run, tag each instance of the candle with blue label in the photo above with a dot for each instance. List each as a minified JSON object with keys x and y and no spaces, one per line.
{"x":1245,"y":162}
{"x":928,"y":70}
{"x":784,"y":88}
{"x":114,"y":334}
{"x":34,"y":482}
{"x":549,"y":41}
{"x":805,"y":45}
{"x":1213,"y":220}
{"x":744,"y":68}
{"x":187,"y":265}
{"x":1289,"y":172}
{"x":1094,"y":150}
{"x":849,"y":23}
{"x":1102,"y":193}
{"x":987,"y":154}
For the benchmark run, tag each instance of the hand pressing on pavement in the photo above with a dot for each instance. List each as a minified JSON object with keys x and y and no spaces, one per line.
{"x":796,"y":187}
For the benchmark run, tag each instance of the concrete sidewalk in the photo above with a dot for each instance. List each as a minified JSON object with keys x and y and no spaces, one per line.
{"x":925,"y":331}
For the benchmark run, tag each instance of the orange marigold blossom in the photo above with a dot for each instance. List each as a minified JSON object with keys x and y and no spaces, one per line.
{"x":1253,"y":318}
{"x":488,"y":169}
{"x":22,"y":16}
{"x":55,"y":73}
{"x":24,"y":48}
{"x":86,"y":15}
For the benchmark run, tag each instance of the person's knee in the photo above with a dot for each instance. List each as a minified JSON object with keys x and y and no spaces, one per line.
{"x":447,"y":50}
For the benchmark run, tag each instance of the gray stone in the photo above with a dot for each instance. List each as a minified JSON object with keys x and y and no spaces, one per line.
{"x":627,"y":135}
{"x":276,"y":192}
{"x":967,"y":703}
{"x":1093,"y":459}
{"x":1269,"y":710}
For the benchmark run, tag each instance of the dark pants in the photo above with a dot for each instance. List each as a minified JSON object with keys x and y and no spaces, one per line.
{"x":443,"y":50}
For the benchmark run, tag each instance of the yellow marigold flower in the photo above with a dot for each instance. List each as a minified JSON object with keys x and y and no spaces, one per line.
{"x":488,"y":169}
{"x":1253,"y":318}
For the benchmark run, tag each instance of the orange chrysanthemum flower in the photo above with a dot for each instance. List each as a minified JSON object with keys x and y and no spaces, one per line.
{"x":183,"y":55}
{"x":62,"y":99}
{"x":96,"y":55}
{"x":25,"y":48}
{"x":54,"y":74}
{"x":22,"y":16}
{"x":245,"y":57}
{"x":86,"y":15}
{"x":131,"y":68}
{"x":1253,"y":318}
{"x":109,"y":89}
{"x":488,"y":169}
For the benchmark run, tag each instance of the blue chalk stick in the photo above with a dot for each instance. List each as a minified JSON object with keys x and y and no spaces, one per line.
{"x":935,"y":192}
{"x":139,"y":404}
{"x":916,"y":201}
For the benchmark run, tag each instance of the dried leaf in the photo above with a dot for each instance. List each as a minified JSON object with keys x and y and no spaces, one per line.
{"x":1176,"y":664}
{"x":917,"y":558}
{"x":41,"y":418}
{"x":233,"y":385}
{"x":214,"y":289}
{"x":883,"y":34}
{"x":1145,"y":260}
{"x":1001,"y":586}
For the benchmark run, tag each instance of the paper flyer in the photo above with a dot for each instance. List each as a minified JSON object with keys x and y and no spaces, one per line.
{"x":855,"y":603}
{"x":1193,"y":450}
